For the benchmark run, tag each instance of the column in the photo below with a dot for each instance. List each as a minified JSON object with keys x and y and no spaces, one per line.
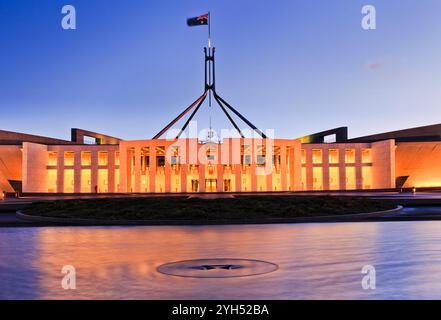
{"x":342,"y":168}
{"x":152,"y":168}
{"x":309,"y":169}
{"x":123,"y":167}
{"x":237,"y":177}
{"x":253,"y":157}
{"x":292,"y":168}
{"x":269,"y":156}
{"x":297,"y":166}
{"x":137,"y":169}
{"x":325,"y":160}
{"x":184,"y":168}
{"x":283,"y":169}
{"x":358,"y":169}
{"x":234,"y":159}
{"x":111,"y":171}
{"x":167,"y":171}
{"x":77,"y":172}
{"x":94,"y":171}
{"x":60,"y":171}
{"x":269,"y":181}
{"x":220,"y":178}
{"x":201,"y":171}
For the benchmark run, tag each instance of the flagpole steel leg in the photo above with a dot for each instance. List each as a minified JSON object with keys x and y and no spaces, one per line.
{"x":240,"y":116}
{"x":160,"y":133}
{"x":192,"y":115}
{"x":228,"y":116}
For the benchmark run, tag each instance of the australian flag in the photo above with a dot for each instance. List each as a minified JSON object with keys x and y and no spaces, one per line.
{"x":198,"y":21}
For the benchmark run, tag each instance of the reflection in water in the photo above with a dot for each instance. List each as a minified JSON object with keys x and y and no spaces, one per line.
{"x":315,"y":261}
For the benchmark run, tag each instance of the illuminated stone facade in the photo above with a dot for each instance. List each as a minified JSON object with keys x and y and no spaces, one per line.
{"x":32,"y":164}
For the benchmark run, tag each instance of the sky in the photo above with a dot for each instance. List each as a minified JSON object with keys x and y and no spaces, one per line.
{"x":294,"y":66}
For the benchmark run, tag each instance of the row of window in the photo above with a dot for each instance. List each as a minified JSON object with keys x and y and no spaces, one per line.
{"x":317,"y":156}
{"x":334,"y":182}
{"x":86,"y":158}
{"x":85,"y":183}
{"x":175,"y":160}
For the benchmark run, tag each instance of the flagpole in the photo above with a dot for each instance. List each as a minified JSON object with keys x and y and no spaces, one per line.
{"x":209,"y":53}
{"x":209,"y":31}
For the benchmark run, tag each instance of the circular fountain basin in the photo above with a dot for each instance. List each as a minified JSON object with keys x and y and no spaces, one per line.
{"x":217,"y":268}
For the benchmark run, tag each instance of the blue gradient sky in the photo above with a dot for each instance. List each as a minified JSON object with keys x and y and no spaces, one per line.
{"x":297,"y":66}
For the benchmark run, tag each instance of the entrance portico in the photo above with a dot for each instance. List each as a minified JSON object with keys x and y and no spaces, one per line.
{"x":186,"y":165}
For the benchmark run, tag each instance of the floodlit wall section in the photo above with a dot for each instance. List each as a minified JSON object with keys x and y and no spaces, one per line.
{"x":185,"y":165}
{"x":69,"y":168}
{"x":383,"y":164}
{"x":419,"y":163}
{"x":34,"y":167}
{"x":346,"y":166}
{"x":10,"y":166}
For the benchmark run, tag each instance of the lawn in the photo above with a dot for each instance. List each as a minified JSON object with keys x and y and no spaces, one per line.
{"x":183,"y":208}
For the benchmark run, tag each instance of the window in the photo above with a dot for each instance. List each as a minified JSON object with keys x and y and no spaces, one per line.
{"x":260,"y":161}
{"x":334,"y":178}
{"x":117,"y":186}
{"x":304,"y":185}
{"x":69,"y":158}
{"x":333,"y":156}
{"x":160,"y":150}
{"x":86,"y":158}
{"x":317,"y":156}
{"x":145,"y":162}
{"x":174,"y":160}
{"x":68,"y":181}
{"x":366,"y":156}
{"x":350,"y":156}
{"x":350,"y":178}
{"x":91,"y":140}
{"x":117,"y":158}
{"x":86,"y":185}
{"x":366,"y":173}
{"x":51,"y":158}
{"x":303,"y":156}
{"x":194,"y":185}
{"x":276,"y":160}
{"x":160,"y":161}
{"x":51,"y":180}
{"x":102,"y":158}
{"x":276,"y":156}
{"x":227,"y":185}
{"x":317,"y":178}
{"x":246,"y":160}
{"x":210,"y":154}
{"x":332,"y":138}
{"x":102,"y":180}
